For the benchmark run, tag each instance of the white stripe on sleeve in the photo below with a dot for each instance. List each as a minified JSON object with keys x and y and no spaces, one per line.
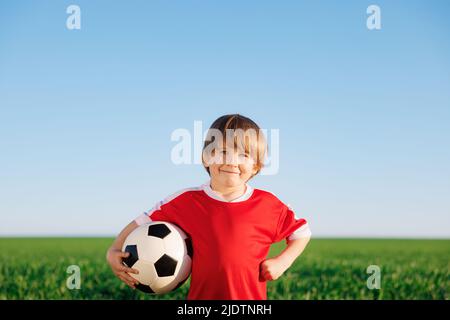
{"x":302,"y":232}
{"x":146,"y":216}
{"x":142,"y":219}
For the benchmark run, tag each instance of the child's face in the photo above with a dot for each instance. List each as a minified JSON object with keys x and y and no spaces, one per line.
{"x":232,"y":167}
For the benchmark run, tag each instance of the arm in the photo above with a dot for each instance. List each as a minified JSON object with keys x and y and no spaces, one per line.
{"x":292,"y":251}
{"x":118,"y":242}
{"x":272,"y":269}
{"x":115,"y":255}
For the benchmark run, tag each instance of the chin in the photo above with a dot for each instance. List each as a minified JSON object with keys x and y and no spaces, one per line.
{"x":233,"y":182}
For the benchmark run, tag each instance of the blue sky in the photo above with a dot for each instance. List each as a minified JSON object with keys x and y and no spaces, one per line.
{"x":86,"y":115}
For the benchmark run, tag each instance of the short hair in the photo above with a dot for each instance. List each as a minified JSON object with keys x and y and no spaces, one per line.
{"x":246,"y":135}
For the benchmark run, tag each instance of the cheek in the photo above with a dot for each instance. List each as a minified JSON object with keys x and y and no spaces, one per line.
{"x":214,"y":169}
{"x":247,"y":168}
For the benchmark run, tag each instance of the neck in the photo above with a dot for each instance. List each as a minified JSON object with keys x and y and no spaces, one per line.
{"x":228,"y":193}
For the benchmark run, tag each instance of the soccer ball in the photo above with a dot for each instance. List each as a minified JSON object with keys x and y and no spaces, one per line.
{"x":162,"y":253}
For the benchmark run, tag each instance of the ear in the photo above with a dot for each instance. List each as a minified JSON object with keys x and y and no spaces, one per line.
{"x":205,"y":161}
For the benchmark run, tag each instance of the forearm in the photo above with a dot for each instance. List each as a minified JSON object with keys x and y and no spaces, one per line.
{"x":293,"y":249}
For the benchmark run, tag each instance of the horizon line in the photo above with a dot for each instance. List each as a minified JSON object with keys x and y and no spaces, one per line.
{"x":105,"y":236}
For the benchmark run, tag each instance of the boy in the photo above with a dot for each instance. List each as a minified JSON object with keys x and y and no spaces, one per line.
{"x":231,"y":224}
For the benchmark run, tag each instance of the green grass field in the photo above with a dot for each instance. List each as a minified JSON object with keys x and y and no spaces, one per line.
{"x":35,"y":268}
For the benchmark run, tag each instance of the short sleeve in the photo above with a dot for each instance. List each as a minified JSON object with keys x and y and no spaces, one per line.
{"x":157,"y":213}
{"x":164,"y":210}
{"x":290,"y":227}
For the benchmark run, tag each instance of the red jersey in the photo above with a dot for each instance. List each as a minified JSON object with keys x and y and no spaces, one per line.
{"x":230,"y":239}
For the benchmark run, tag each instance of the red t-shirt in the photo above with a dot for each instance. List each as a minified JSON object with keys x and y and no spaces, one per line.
{"x":229,"y":239}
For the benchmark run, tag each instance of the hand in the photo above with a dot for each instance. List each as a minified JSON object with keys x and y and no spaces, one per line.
{"x":114,"y":258}
{"x":272,"y":269}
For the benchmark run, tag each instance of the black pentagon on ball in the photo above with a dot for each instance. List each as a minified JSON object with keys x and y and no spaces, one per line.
{"x":133,"y":257}
{"x":188,"y":243}
{"x":158,"y":230}
{"x":144,"y":288}
{"x":165,"y":266}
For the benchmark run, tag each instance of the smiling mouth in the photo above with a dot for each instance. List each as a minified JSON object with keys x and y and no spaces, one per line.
{"x":231,"y":172}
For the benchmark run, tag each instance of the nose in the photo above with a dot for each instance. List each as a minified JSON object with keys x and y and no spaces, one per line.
{"x":232,"y":158}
